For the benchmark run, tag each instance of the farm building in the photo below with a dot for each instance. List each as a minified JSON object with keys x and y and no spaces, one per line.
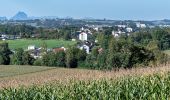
{"x":31,"y":47}
{"x":83,"y":36}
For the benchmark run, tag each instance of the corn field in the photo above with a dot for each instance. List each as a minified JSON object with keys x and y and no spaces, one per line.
{"x":153,"y":87}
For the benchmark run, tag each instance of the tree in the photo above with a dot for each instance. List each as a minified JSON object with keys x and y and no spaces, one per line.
{"x":67,"y":36}
{"x":101,"y":60}
{"x":22,"y":57}
{"x":153,"y":45}
{"x":140,"y":55}
{"x":27,"y":59}
{"x":160,"y":57}
{"x":4,"y":54}
{"x":17,"y":58}
{"x":158,"y":34}
{"x":44,"y":46}
{"x":38,"y":62}
{"x":118,"y":54}
{"x":91,"y":59}
{"x":95,"y":52}
{"x":45,"y":59}
{"x":123,"y":53}
{"x":165,"y":42}
{"x":104,"y":40}
{"x":71,"y":57}
{"x":81,"y":55}
{"x":54,"y":59}
{"x":60,"y":59}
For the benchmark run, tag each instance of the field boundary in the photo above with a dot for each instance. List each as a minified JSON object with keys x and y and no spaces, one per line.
{"x":27,"y":73}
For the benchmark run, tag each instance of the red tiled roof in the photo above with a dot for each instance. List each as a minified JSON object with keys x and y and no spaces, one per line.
{"x":58,"y":49}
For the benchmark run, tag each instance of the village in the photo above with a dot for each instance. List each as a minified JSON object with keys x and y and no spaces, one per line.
{"x":82,"y":37}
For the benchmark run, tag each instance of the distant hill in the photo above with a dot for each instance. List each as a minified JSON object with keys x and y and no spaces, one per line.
{"x":20,"y":16}
{"x":161,"y":22}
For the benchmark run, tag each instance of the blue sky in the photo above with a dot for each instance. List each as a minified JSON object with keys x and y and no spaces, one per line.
{"x":110,"y":9}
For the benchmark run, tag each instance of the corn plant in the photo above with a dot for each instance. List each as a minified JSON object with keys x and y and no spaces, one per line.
{"x":153,"y":87}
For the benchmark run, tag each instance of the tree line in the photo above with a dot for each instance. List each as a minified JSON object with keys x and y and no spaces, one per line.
{"x":26,"y":31}
{"x":139,"y":49}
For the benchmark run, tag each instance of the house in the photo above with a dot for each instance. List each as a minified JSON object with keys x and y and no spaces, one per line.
{"x":115,"y":34}
{"x":36,"y":53}
{"x":121,"y":26}
{"x":83,"y":36}
{"x":142,"y":25}
{"x":128,"y":29}
{"x":96,"y":29}
{"x":4,"y":37}
{"x":82,"y":29}
{"x":86,"y":48}
{"x":139,"y":25}
{"x":31,"y":47}
{"x":59,"y":49}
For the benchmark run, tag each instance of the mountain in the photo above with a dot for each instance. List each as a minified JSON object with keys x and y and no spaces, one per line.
{"x":20,"y":16}
{"x":3,"y":18}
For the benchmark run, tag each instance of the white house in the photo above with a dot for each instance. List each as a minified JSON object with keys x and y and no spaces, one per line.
{"x":96,"y":29}
{"x":139,"y":25}
{"x":121,"y":26}
{"x":83,"y":36}
{"x":86,"y":48}
{"x":128,"y":29}
{"x":82,"y":29}
{"x":31,"y":47}
{"x":4,"y":37}
{"x":142,"y":25}
{"x":115,"y":34}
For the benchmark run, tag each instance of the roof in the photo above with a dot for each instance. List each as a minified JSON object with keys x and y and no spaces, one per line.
{"x":58,"y":49}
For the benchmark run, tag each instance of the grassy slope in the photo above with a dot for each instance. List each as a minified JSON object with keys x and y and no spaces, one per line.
{"x":7,"y":71}
{"x":24,"y":43}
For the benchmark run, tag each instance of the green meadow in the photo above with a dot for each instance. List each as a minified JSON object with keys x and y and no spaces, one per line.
{"x":24,"y":43}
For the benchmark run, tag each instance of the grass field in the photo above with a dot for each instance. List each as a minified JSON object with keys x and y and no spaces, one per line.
{"x":135,"y":84}
{"x":24,"y":43}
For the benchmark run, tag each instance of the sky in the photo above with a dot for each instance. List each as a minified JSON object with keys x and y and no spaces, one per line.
{"x":99,"y":9}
